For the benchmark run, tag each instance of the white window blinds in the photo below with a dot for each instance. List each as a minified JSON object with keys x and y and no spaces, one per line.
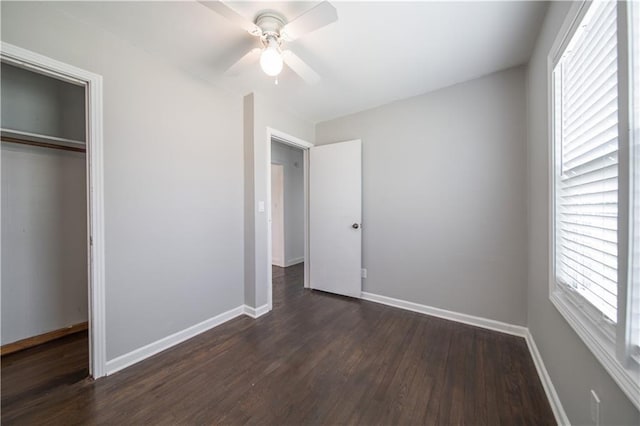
{"x":586,"y":133}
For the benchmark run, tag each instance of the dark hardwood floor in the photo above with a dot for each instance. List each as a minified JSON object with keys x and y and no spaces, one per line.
{"x":36,"y":371}
{"x":315,"y":359}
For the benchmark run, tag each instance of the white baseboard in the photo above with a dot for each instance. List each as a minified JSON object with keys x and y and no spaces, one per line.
{"x":151,"y":349}
{"x":549,"y":389}
{"x":128,"y":359}
{"x":292,"y":262}
{"x":503,"y":327}
{"x":255,"y":312}
{"x":516,"y":330}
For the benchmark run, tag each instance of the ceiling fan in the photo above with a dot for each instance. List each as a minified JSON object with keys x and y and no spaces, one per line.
{"x":274,"y":31}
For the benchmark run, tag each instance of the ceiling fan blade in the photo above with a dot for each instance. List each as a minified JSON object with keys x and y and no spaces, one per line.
{"x":316,"y":17}
{"x":300,"y":67}
{"x":244,"y":63}
{"x":233,"y":16}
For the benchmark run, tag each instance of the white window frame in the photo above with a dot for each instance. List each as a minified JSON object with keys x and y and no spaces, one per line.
{"x":608,"y":344}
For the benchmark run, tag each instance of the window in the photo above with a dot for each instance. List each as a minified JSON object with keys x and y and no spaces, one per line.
{"x":586,"y":101}
{"x":595,"y":279}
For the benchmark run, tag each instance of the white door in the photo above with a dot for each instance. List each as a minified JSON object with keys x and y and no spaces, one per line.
{"x":335,"y":216}
{"x":277,"y":215}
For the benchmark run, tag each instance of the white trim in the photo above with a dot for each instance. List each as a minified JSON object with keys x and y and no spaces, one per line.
{"x":255,"y":313}
{"x":305,"y":146}
{"x":547,"y":384}
{"x":503,"y":327}
{"x":625,"y":207}
{"x":307,"y":243}
{"x":95,"y":188}
{"x":293,"y":261}
{"x":601,"y":348}
{"x":287,"y":139}
{"x":140,"y":354}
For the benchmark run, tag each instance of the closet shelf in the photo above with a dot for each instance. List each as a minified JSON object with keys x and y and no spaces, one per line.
{"x":45,"y":141}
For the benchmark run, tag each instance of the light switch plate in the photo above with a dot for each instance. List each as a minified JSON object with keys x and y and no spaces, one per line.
{"x":261,"y":206}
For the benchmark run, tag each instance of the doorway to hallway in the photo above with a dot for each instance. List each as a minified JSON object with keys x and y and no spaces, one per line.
{"x":287,"y":205}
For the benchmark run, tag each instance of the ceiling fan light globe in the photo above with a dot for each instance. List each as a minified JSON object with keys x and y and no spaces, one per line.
{"x":271,"y":62}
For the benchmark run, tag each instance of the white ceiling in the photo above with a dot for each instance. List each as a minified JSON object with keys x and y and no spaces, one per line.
{"x":376,"y":52}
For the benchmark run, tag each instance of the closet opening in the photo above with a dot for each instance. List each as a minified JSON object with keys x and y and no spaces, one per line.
{"x":45,"y":230}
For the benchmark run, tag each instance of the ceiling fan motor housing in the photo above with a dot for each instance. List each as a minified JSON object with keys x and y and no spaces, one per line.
{"x":270,"y":23}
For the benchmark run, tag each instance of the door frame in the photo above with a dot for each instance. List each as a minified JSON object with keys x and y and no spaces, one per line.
{"x":95,"y":187}
{"x":287,"y":139}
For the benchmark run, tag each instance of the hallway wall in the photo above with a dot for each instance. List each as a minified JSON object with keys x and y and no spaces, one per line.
{"x":292,"y":160}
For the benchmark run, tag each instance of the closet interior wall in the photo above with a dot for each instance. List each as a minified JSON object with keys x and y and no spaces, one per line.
{"x":44,"y":204}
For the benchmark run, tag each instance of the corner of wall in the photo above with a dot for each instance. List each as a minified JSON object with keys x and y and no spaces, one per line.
{"x":249,"y":224}
{"x":269,"y":108}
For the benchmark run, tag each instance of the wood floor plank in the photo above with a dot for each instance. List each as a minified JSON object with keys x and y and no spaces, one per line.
{"x":316,"y":358}
{"x":438,"y":367}
{"x":423,"y":387}
{"x":476,"y":407}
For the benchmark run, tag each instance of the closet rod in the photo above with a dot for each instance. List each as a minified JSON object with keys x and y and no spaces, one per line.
{"x":42,"y":144}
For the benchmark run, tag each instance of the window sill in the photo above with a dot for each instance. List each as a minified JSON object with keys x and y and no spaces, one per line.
{"x":628,"y":378}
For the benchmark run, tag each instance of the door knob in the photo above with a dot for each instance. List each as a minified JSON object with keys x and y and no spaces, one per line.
{"x":355,"y":226}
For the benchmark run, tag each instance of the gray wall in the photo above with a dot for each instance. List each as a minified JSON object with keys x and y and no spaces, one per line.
{"x":250,"y":208}
{"x":173,"y":179}
{"x":44,"y":240}
{"x":34,"y":103}
{"x":292,"y":160}
{"x":444,"y":214}
{"x":572,"y":367}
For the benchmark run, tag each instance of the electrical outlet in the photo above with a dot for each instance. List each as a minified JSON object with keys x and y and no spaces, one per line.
{"x":595,"y":408}
{"x":363,"y":272}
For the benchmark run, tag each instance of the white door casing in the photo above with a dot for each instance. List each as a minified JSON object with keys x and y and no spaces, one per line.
{"x":335,"y":217}
{"x":95,"y":188}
